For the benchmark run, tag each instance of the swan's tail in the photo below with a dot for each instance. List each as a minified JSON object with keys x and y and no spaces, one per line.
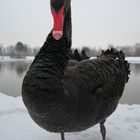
{"x":119,"y":56}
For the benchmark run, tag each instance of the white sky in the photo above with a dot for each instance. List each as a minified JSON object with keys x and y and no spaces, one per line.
{"x":95,"y":22}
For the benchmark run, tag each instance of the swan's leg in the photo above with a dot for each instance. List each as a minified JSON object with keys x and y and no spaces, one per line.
{"x":103,"y":129}
{"x":62,"y":136}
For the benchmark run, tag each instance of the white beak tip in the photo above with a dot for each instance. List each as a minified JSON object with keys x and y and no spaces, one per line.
{"x":57,"y":35}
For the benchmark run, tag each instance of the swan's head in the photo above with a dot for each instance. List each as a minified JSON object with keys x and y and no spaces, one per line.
{"x":59,"y":9}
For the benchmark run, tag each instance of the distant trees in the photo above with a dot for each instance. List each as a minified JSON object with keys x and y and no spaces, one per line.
{"x":1,"y":49}
{"x":137,"y":49}
{"x":91,"y":52}
{"x":128,"y":50}
{"x":131,"y":50}
{"x":20,"y":50}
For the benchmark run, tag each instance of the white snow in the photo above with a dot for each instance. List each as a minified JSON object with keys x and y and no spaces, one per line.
{"x":8,"y":58}
{"x":135,"y":60}
{"x":15,"y":124}
{"x":5,"y":58}
{"x":29,"y":58}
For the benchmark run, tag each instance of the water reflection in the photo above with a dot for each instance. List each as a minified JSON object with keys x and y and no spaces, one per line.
{"x":19,"y":67}
{"x":1,"y":67}
{"x":12,"y":73}
{"x":11,"y":76}
{"x":135,"y":68}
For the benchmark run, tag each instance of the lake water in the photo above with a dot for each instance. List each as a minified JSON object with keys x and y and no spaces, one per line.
{"x":12,"y":73}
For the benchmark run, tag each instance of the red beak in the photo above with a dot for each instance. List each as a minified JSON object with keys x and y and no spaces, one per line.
{"x":58,"y":23}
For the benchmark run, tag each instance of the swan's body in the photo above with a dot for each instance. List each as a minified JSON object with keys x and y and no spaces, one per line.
{"x":68,"y":99}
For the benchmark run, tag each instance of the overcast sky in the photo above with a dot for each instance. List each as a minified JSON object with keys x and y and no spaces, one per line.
{"x":95,"y":22}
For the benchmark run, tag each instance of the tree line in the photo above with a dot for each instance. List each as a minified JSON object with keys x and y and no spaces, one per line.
{"x":129,"y":50}
{"x":21,"y":50}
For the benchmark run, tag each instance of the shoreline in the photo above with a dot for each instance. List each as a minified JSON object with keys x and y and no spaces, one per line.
{"x":132,"y":60}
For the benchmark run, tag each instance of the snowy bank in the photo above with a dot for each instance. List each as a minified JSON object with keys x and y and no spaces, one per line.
{"x":8,"y":58}
{"x":135,"y":60}
{"x":15,"y":124}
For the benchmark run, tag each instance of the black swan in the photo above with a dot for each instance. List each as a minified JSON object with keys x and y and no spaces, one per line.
{"x":69,"y":99}
{"x":75,"y":57}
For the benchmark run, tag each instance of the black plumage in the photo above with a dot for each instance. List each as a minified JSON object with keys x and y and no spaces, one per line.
{"x":75,"y":57}
{"x":68,"y":99}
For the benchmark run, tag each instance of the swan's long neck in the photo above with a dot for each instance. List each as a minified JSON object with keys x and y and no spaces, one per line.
{"x":52,"y":60}
{"x":57,"y":51}
{"x":68,"y":25}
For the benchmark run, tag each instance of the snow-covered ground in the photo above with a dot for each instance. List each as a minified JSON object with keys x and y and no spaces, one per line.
{"x":135,"y":60}
{"x":7,"y":58}
{"x":15,"y":124}
{"x":30,"y":58}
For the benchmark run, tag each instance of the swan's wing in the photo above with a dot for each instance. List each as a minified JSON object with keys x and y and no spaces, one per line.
{"x":72,"y":63}
{"x":102,"y":76}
